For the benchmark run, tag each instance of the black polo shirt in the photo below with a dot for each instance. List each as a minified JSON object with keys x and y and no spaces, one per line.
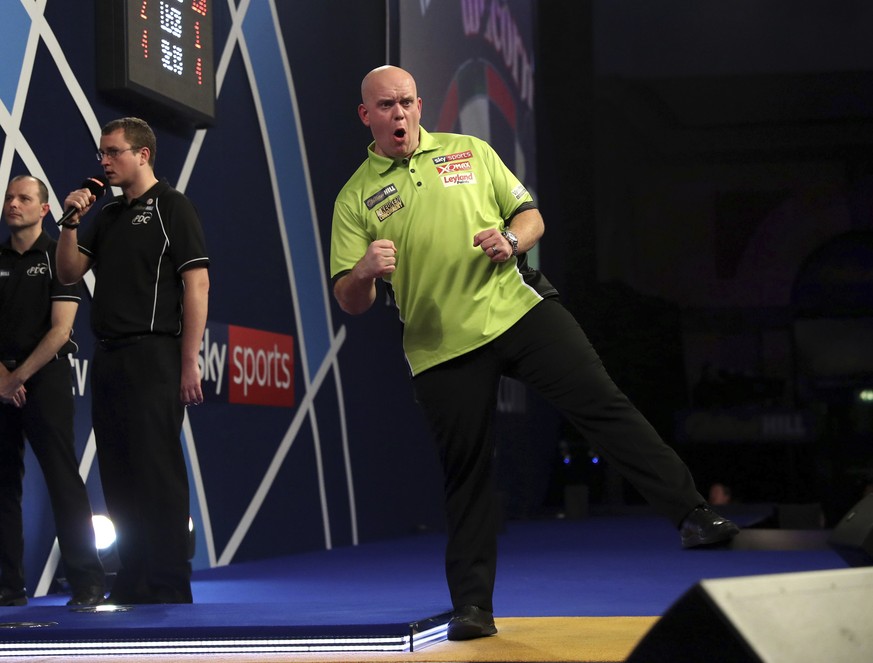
{"x":28,"y":286}
{"x":140,"y":251}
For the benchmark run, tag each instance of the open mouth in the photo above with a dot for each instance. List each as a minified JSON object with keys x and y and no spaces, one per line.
{"x":400,"y":133}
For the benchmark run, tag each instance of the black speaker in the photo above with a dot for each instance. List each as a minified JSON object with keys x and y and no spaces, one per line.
{"x":791,"y":617}
{"x":852,"y":538}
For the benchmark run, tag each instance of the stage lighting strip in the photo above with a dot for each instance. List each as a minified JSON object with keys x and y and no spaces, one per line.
{"x":405,"y":643}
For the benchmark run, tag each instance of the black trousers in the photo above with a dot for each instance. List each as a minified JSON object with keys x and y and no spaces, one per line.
{"x":46,"y":421}
{"x":137,"y":416}
{"x":548,"y":351}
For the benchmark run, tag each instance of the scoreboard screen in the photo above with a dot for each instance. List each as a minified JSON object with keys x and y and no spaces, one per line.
{"x":161,"y":50}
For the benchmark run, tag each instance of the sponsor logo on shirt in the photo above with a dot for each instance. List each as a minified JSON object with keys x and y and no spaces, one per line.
{"x":459,"y":178}
{"x":454,"y":167}
{"x":393,"y":205}
{"x":38,"y":270}
{"x":379,"y":196}
{"x":141,"y":219}
{"x":458,"y":156}
{"x":519,"y":192}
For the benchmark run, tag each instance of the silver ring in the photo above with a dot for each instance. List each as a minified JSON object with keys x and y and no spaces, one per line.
{"x":494,"y":250}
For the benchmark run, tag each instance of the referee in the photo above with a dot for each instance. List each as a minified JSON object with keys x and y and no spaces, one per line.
{"x":36,"y":398}
{"x":148,"y":315}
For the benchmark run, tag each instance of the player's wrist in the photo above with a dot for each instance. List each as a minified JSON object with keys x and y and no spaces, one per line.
{"x":510,"y":237}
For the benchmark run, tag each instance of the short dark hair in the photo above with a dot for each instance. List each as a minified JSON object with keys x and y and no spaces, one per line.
{"x":137,"y":132}
{"x":40,"y":185}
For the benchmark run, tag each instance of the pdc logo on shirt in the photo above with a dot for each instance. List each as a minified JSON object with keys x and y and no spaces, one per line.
{"x":38,"y":270}
{"x":250,"y":366}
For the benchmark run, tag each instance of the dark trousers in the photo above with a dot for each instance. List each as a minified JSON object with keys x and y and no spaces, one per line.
{"x":137,"y":416}
{"x":46,"y":421}
{"x":548,"y":351}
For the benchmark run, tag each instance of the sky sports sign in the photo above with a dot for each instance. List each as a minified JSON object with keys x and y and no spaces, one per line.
{"x":247,"y":366}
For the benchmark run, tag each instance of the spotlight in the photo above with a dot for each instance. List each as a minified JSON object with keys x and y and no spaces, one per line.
{"x":104,"y":536}
{"x":104,"y":532}
{"x":192,"y":539}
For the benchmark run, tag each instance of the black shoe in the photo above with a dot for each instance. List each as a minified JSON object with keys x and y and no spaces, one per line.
{"x":471,"y":622}
{"x":87,"y":597}
{"x":704,"y":527}
{"x":10,"y":597}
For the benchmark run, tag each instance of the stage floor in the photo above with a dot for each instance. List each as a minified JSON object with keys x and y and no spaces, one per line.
{"x":388,"y":599}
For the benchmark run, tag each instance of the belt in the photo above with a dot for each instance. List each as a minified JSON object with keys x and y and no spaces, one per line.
{"x":12,"y":364}
{"x":122,"y":341}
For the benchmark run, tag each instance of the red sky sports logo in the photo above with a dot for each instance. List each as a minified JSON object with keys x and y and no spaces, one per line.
{"x":454,"y":167}
{"x":453,"y":157}
{"x":259,"y":365}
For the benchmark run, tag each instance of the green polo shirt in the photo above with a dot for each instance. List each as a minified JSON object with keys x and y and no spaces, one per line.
{"x":452,"y":299}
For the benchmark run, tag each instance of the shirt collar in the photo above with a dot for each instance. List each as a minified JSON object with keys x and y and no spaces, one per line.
{"x":148,"y":198}
{"x":381,"y":164}
{"x":42,"y":243}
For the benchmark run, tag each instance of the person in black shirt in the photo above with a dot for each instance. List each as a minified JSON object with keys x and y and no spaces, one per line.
{"x":36,"y":398}
{"x":148,"y":315}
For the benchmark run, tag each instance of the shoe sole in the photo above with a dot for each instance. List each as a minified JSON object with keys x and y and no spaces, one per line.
{"x":716,"y":539}
{"x":469,"y":631}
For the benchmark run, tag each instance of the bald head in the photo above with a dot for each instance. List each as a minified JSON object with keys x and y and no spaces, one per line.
{"x":391,"y":108}
{"x":385,"y":74}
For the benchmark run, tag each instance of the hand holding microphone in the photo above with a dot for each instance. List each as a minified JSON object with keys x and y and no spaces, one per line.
{"x":80,"y":200}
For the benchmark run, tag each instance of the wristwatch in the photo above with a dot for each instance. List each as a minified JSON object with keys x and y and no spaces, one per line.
{"x":512,"y":239}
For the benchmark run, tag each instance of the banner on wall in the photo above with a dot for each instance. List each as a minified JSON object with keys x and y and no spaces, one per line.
{"x":473,"y":61}
{"x":247,"y":366}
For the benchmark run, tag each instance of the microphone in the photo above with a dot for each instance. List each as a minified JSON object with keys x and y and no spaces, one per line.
{"x":96,"y":185}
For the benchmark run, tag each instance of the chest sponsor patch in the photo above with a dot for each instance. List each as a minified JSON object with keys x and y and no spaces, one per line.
{"x":457,"y":156}
{"x":38,"y":270}
{"x":458,"y":178}
{"x":386,"y":210}
{"x":454,"y":167}
{"x":380,"y":196}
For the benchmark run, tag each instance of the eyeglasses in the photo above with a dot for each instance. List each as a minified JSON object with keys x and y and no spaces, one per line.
{"x":113,"y":152}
